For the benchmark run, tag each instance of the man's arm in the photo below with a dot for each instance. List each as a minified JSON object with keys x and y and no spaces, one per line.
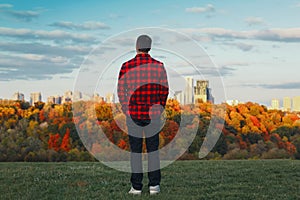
{"x":122,"y":90}
{"x":164,"y":87}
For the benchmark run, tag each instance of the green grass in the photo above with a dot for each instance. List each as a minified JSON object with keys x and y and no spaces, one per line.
{"x":249,"y":179}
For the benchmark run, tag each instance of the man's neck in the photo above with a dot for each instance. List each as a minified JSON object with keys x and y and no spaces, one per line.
{"x":140,"y":52}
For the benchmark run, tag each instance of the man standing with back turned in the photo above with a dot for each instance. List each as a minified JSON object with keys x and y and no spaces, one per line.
{"x":143,"y":91}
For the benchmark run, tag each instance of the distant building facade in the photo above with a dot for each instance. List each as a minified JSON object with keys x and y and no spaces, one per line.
{"x":35,"y":97}
{"x":202,"y":92}
{"x":287,"y":104}
{"x":68,"y":97}
{"x":50,"y":100}
{"x":179,"y":96}
{"x":54,"y":99}
{"x":188,"y":91}
{"x":57,"y":99}
{"x":18,"y":96}
{"x":296,"y":104}
{"x":275,"y":104}
{"x":194,"y":94}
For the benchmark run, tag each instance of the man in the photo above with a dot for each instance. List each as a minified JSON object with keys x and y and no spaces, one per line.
{"x":143,"y":91}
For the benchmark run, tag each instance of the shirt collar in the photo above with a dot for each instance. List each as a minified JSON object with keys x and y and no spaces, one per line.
{"x":142,"y":55}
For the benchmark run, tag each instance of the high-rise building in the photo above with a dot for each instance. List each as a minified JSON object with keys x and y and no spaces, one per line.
{"x":35,"y":97}
{"x":188,"y":91}
{"x":18,"y":96}
{"x":110,"y":98}
{"x":179,"y":97}
{"x":57,"y":99}
{"x":287,"y":104}
{"x":296,"y":104}
{"x":275,"y":104}
{"x":201,"y":91}
{"x":54,"y":99}
{"x":210,"y":97}
{"x":51,"y":100}
{"x":68,"y":97}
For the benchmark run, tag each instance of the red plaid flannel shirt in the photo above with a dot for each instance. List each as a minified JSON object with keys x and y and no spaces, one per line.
{"x":142,"y":83}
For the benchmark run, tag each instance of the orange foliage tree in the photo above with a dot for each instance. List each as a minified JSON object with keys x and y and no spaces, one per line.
{"x":65,"y":144}
{"x":53,"y":142}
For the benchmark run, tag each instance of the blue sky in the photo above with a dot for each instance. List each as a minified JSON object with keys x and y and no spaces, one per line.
{"x":255,"y":44}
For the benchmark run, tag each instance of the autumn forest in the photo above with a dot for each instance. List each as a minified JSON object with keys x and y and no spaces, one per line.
{"x":47,"y":132}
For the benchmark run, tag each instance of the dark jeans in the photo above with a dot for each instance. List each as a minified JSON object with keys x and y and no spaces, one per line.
{"x":136,"y":145}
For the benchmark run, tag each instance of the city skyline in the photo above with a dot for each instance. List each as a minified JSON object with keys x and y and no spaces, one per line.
{"x":43,"y":43}
{"x":285,"y":104}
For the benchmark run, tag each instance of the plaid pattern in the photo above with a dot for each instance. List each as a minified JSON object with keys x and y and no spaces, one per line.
{"x":142,"y":83}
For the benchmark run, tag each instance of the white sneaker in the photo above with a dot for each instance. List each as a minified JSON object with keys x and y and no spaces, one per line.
{"x":134,"y":191}
{"x":154,"y":189}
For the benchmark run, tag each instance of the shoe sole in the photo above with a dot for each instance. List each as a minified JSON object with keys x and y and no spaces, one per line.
{"x":154,"y":193}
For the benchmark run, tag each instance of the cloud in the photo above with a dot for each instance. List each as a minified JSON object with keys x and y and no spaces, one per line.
{"x":44,"y":49}
{"x":33,"y":67}
{"x":253,"y":21}
{"x":217,"y":72}
{"x":22,"y":15}
{"x":183,"y":70}
{"x":6,"y":6}
{"x":206,"y":9}
{"x":37,"y":57}
{"x":36,"y":61}
{"x":276,"y":34}
{"x":226,"y":71}
{"x":124,"y":41}
{"x":289,"y":85}
{"x":55,"y":35}
{"x":90,"y":25}
{"x":242,"y":46}
{"x":234,"y":64}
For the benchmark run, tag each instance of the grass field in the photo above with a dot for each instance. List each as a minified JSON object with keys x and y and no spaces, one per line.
{"x":249,"y":179}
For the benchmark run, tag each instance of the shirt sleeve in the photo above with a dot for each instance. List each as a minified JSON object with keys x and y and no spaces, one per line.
{"x":122,"y":90}
{"x":164,"y":87}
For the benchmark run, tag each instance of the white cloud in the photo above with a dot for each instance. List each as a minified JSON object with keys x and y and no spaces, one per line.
{"x":45,"y":35}
{"x":36,"y":61}
{"x":234,"y":64}
{"x":124,"y":41}
{"x":242,"y":46}
{"x":22,"y":15}
{"x":90,"y":25}
{"x":252,"y":21}
{"x":287,"y":85}
{"x":276,"y":34}
{"x":33,"y":67}
{"x":26,"y":15}
{"x":46,"y":58}
{"x":44,"y":49}
{"x":6,"y":6}
{"x":207,"y":8}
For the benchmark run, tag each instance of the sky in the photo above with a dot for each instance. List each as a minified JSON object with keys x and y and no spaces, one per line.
{"x":253,"y":44}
